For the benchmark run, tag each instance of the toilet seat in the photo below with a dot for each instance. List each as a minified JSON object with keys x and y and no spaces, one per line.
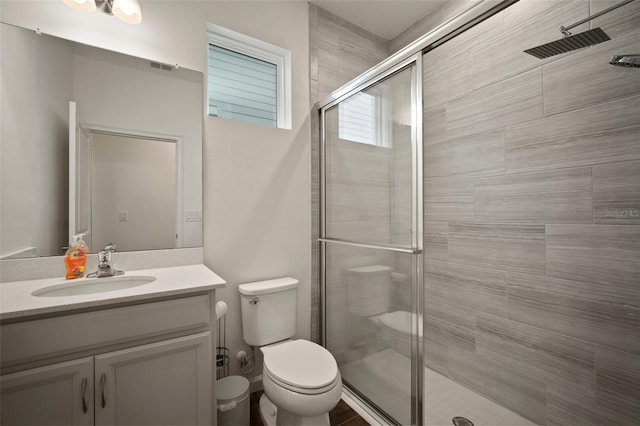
{"x":301,"y":366}
{"x":303,"y":391}
{"x":397,"y":321}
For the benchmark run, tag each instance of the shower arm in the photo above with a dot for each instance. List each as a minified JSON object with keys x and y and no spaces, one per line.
{"x":565,"y":30}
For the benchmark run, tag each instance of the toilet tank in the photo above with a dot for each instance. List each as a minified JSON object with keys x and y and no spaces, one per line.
{"x":369,"y":290}
{"x":268,"y":310}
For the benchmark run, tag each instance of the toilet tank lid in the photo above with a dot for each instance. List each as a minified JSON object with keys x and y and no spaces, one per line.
{"x":268,"y":286}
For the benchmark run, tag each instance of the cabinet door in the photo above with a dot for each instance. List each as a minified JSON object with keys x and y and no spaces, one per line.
{"x":58,"y":394}
{"x":165,"y":383}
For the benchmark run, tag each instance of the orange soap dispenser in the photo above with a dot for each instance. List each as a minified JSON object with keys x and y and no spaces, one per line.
{"x":75,"y":258}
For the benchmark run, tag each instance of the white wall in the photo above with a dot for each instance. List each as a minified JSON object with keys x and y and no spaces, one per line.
{"x":256,"y":180}
{"x":30,"y":215}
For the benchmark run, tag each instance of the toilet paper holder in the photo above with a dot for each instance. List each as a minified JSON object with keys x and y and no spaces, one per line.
{"x":222,"y":352}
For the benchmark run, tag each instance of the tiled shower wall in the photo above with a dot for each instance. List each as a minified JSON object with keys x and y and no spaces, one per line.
{"x":339,"y":52}
{"x":532,"y":199}
{"x":532,"y":215}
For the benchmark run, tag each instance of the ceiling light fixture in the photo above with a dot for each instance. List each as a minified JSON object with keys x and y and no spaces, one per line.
{"x":125,"y":10}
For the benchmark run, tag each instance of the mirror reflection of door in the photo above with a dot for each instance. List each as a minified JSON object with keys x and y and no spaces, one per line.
{"x":133,"y":192}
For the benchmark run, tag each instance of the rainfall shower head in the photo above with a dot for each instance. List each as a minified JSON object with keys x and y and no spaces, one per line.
{"x":572,"y":42}
{"x":567,"y":44}
{"x":631,"y":61}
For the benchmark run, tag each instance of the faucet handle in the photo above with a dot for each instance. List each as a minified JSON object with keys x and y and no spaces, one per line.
{"x":104,"y":256}
{"x":104,"y":267}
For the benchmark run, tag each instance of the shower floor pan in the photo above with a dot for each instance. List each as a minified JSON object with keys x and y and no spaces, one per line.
{"x":386,"y":378}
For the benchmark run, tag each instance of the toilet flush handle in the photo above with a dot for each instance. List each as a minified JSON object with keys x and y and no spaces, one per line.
{"x":254,"y":301}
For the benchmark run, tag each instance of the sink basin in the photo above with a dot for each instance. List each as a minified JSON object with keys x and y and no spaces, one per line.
{"x":93,"y":285}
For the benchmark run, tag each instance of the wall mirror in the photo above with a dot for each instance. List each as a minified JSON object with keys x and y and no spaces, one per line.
{"x":96,"y":142}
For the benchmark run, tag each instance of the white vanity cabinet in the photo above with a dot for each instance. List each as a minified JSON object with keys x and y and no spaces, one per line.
{"x":163,"y":383}
{"x":142,"y":363}
{"x":58,"y":394}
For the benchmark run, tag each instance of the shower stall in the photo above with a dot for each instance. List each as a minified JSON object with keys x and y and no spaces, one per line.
{"x":479,"y":224}
{"x":372,"y":231}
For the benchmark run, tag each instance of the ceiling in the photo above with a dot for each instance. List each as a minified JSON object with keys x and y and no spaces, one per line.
{"x":385,"y":18}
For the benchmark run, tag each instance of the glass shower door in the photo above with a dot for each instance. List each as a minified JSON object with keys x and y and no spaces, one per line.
{"x":371,"y":241}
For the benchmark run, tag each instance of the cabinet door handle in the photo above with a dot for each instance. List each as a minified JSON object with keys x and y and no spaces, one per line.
{"x":84,"y":391}
{"x":103,"y":383}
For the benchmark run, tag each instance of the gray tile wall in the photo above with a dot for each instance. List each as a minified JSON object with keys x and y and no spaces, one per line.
{"x":339,"y":52}
{"x":532,"y":193}
{"x":532,"y":215}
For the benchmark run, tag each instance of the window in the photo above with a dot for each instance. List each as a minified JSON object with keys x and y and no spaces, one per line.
{"x":248,"y":80}
{"x":357,"y":118}
{"x":362,"y":118}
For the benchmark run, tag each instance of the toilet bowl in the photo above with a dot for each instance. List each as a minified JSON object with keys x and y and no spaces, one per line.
{"x":398,"y":325}
{"x":300,"y":378}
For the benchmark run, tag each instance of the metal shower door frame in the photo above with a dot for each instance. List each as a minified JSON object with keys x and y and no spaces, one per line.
{"x":414,"y":62}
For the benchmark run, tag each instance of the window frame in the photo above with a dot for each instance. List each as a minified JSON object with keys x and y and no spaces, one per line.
{"x":258,"y":49}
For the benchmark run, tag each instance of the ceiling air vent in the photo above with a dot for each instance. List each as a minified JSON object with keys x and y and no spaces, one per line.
{"x":161,"y":66}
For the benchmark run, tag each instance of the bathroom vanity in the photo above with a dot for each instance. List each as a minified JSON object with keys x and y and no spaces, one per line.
{"x":132,"y":349}
{"x":141,"y":354}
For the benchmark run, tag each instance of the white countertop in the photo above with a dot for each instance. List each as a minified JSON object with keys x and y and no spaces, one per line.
{"x":17,"y":301}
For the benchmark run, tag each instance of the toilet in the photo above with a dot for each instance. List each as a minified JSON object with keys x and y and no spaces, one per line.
{"x":301,"y":379}
{"x":369,"y":297}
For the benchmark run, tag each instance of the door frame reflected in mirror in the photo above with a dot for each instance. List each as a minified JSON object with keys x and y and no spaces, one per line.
{"x":76,"y":180}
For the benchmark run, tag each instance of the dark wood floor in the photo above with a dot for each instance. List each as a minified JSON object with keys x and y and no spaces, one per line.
{"x":342,"y":415}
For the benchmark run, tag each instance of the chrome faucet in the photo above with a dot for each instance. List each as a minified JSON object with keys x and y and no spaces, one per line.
{"x":105,"y":269}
